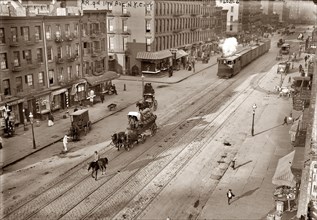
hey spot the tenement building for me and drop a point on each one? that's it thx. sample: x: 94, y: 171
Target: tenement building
x: 167, y: 32
x: 41, y: 62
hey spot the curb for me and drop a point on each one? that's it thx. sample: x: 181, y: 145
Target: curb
x: 155, y: 81
x: 103, y: 117
x: 60, y: 139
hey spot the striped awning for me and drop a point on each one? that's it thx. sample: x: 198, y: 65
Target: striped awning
x: 180, y: 53
x: 283, y: 174
x: 154, y: 55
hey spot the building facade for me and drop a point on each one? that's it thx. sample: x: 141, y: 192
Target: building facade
x: 233, y: 27
x: 182, y: 26
x: 250, y: 15
x: 51, y: 62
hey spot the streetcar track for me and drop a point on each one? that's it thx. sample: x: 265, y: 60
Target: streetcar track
x: 79, y: 167
x: 158, y: 137
x: 191, y: 148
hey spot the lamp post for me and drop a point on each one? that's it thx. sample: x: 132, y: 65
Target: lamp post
x: 31, y: 120
x: 252, y: 130
x: 142, y: 85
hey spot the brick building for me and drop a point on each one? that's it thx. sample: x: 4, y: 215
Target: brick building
x: 41, y: 61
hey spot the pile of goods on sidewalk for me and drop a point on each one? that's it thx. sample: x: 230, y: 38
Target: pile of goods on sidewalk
x: 283, y: 193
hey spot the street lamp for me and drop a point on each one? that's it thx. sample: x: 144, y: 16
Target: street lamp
x: 142, y: 85
x: 252, y: 130
x: 31, y: 120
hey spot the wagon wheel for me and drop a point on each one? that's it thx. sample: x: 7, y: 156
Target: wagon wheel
x: 153, y: 129
x: 155, y: 105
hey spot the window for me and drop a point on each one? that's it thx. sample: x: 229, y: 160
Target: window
x: 77, y: 70
x: 6, y: 87
x: 27, y: 56
x: 148, y: 44
x: 3, y: 61
x: 148, y: 26
x: 41, y: 79
x: 148, y: 9
x: 25, y: 33
x: 68, y: 50
x: 61, y: 74
x: 59, y: 52
x: 230, y: 27
x: 48, y: 32
x: 38, y: 34
x: 2, y: 36
x: 125, y: 40
x: 111, y: 43
x: 49, y: 54
x: 77, y: 49
x: 39, y: 55
x: 124, y: 8
x: 69, y: 72
x: 231, y: 9
x: 51, y: 76
x: 16, y: 58
x: 84, y: 30
x: 110, y: 25
x: 231, y: 18
x: 14, y: 34
x: 18, y: 83
x: 124, y: 25
x: 76, y: 31
x: 29, y: 80
x: 67, y: 30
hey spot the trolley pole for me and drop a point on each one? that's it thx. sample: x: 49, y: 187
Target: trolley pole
x: 142, y: 85
x: 252, y: 129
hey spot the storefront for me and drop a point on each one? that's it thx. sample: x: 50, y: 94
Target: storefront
x: 101, y: 84
x: 154, y: 62
x: 76, y: 94
x: 16, y: 106
x: 58, y: 100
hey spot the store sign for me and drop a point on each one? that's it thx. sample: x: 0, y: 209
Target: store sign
x: 128, y: 4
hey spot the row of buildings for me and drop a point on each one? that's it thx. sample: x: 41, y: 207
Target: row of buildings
x: 53, y: 53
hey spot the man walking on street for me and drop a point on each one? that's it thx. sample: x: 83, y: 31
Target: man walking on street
x: 285, y: 121
x: 233, y: 163
x: 65, y: 141
x: 230, y: 195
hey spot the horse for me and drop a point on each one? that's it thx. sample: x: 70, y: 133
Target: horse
x: 118, y: 139
x: 95, y: 166
x: 131, y: 139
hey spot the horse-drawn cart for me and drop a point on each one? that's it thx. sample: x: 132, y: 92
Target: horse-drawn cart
x: 79, y: 123
x: 141, y: 125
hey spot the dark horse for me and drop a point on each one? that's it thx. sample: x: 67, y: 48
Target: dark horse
x: 95, y: 166
x: 118, y: 139
x: 142, y: 105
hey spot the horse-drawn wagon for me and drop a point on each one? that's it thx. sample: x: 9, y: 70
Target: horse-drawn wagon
x: 149, y: 100
x: 141, y: 125
x: 79, y: 123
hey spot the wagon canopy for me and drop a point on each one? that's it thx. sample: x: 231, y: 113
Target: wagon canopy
x: 96, y: 80
x: 136, y: 114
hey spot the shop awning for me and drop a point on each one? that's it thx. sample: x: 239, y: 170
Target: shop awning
x: 59, y: 91
x: 159, y: 55
x: 180, y: 53
x: 298, y: 162
x: 96, y: 80
x: 283, y: 174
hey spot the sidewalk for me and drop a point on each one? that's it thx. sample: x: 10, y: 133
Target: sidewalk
x: 257, y: 159
x: 20, y: 145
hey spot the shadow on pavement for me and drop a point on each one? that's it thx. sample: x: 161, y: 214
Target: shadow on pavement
x: 268, y: 129
x: 243, y: 164
x: 249, y: 193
